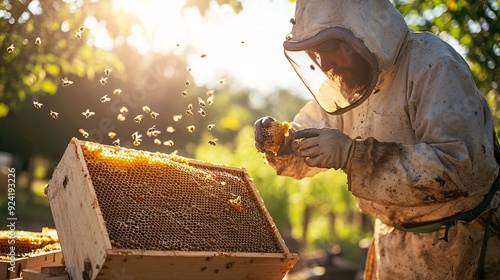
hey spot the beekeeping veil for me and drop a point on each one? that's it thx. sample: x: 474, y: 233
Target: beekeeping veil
x: 374, y: 29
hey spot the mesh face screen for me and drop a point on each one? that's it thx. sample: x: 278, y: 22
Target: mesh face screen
x: 154, y: 201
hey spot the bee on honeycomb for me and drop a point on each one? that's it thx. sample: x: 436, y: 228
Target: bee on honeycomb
x: 274, y: 135
x: 236, y: 203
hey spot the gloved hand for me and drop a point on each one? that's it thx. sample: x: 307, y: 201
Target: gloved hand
x: 323, y: 147
x: 263, y: 123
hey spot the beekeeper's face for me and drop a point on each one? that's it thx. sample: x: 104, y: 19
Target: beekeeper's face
x: 337, y: 59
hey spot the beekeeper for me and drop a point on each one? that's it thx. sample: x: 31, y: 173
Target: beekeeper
x: 398, y: 111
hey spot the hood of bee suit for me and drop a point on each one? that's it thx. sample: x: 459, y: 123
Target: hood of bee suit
x: 372, y: 28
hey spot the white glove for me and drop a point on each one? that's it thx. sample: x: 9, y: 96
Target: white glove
x: 323, y: 147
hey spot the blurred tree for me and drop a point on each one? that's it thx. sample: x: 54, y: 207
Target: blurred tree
x: 44, y: 41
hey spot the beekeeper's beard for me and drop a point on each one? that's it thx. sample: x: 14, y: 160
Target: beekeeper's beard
x: 349, y: 81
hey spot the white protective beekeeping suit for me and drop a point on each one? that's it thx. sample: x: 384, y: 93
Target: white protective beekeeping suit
x: 424, y: 138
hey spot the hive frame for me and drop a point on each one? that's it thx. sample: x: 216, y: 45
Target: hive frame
x: 89, y: 254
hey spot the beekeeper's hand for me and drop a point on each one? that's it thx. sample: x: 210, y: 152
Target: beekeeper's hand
x: 263, y: 123
x: 323, y: 147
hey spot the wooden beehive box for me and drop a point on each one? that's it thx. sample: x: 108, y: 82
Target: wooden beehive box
x: 125, y: 213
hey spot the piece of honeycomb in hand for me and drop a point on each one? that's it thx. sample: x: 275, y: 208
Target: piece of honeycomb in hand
x: 274, y: 135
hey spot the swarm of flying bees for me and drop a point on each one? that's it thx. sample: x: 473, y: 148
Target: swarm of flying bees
x: 122, y: 116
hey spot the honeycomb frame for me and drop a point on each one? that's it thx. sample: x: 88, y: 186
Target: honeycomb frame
x: 121, y: 210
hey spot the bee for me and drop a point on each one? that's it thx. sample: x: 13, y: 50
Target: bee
x: 103, y: 81
x: 105, y: 98
x: 213, y: 142
x: 88, y: 114
x: 210, y: 126
x: 136, y: 136
x: 210, y: 92
x: 37, y: 104
x: 155, y: 133
x: 120, y: 117
x: 190, y: 128
x: 242, y: 42
x: 292, y: 21
x: 123, y: 110
x: 188, y: 69
x: 184, y: 93
x: 312, y: 67
x: 38, y: 41
x: 137, y: 142
x: 54, y: 115
x: 189, y: 113
x: 177, y: 118
x: 78, y: 34
x: 111, y: 135
x: 168, y: 143
x: 203, y: 55
x: 84, y: 133
x: 117, y: 91
x: 190, y: 106
x: 187, y: 83
x: 201, y: 102
x: 116, y: 142
x: 151, y: 129
x: 154, y: 115
x: 210, y: 100
x: 82, y: 28
x: 66, y: 82
x: 170, y: 129
x: 221, y: 81
x: 138, y: 118
x: 157, y: 142
x: 288, y: 37
x: 107, y: 71
x: 202, y: 112
x: 146, y: 109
